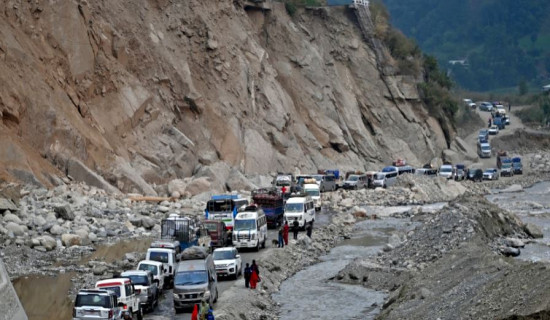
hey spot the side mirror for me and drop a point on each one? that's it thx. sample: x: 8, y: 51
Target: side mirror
x: 238, y: 256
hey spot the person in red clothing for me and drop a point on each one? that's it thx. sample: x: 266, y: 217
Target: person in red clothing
x: 283, y: 190
x: 253, y: 279
x: 195, y: 314
x: 285, y: 233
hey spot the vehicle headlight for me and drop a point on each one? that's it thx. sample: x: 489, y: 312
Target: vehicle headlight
x: 176, y: 296
x: 206, y: 294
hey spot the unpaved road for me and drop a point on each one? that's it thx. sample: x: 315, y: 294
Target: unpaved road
x: 165, y: 309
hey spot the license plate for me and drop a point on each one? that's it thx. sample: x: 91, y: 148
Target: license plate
x: 91, y: 313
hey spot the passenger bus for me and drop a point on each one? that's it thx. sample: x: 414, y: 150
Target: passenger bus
x: 225, y: 208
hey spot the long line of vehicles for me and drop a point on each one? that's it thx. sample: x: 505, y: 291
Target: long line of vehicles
x: 191, y: 253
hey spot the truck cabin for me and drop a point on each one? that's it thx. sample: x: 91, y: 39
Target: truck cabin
x: 224, y: 208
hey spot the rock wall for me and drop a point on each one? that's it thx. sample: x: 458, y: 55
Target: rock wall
x: 138, y: 93
x: 9, y: 302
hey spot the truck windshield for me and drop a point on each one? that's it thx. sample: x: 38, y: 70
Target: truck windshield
x: 211, y: 226
x: 149, y: 267
x: 158, y: 256
x: 379, y: 176
x: 190, y: 278
x: 446, y: 169
x: 281, y: 183
x: 138, y: 280
x: 223, y: 255
x: 485, y: 148
x: 312, y: 192
x: 294, y: 207
x: 92, y: 300
x: 353, y: 178
x: 245, y: 224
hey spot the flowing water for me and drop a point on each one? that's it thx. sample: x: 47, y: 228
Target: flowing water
x: 532, y: 205
x: 310, y: 294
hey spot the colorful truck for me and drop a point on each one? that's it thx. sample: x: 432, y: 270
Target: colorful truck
x: 224, y: 207
x: 272, y: 203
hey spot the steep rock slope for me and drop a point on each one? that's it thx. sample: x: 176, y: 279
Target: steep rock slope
x: 134, y: 93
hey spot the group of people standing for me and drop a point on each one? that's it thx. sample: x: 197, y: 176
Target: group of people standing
x: 283, y: 232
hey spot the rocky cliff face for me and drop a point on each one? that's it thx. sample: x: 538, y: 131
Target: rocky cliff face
x: 133, y: 94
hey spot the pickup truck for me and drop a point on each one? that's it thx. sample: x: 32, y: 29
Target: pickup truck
x: 506, y: 167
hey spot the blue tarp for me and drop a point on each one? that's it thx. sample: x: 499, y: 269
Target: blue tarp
x: 225, y: 197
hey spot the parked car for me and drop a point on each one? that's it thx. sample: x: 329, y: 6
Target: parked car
x: 490, y: 174
x: 146, y: 289
x: 355, y: 181
x: 506, y: 120
x: 460, y: 172
x: 125, y: 293
x: 228, y: 262
x: 93, y: 304
x: 484, y: 150
x: 486, y: 106
x: 506, y: 167
x: 426, y: 172
x: 493, y: 130
x: 157, y: 270
x: 483, y: 135
x: 475, y: 175
x: 470, y: 103
x: 446, y: 171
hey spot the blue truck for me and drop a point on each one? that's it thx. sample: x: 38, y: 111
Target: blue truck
x: 517, y: 166
x: 499, y: 122
x: 272, y: 203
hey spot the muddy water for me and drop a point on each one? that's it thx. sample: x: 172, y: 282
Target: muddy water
x: 46, y: 298
x: 532, y: 205
x: 310, y: 294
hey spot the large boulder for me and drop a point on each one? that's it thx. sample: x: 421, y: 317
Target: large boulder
x: 533, y: 230
x: 237, y: 182
x: 64, y: 212
x: 69, y: 240
x: 198, y: 186
x: 56, y: 230
x: 48, y: 242
x: 16, y: 229
x: 147, y: 222
x: 10, y: 217
x: 177, y: 185
x: 6, y: 204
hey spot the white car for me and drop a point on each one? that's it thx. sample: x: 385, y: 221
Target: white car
x: 125, y: 292
x: 228, y: 262
x: 446, y: 171
x: 490, y: 174
x: 493, y: 130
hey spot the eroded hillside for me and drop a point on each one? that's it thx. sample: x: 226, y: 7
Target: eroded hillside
x: 143, y: 92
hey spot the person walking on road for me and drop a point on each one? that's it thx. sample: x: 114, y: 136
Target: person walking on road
x: 255, y: 276
x: 295, y: 226
x: 490, y: 122
x: 309, y: 228
x: 195, y: 314
x: 247, y: 274
x: 281, y: 238
x: 285, y: 232
x: 210, y: 315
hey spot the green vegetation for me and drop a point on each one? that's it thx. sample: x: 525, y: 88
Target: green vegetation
x: 538, y: 113
x: 502, y: 41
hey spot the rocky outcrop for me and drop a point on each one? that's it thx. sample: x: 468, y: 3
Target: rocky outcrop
x: 132, y: 95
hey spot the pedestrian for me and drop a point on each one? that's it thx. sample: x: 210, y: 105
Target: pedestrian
x: 281, y: 238
x: 210, y: 315
x: 247, y: 274
x: 254, y: 278
x: 309, y: 229
x: 295, y: 226
x: 203, y: 309
x: 283, y: 190
x: 285, y: 232
x: 254, y: 267
x: 490, y: 120
x: 195, y: 314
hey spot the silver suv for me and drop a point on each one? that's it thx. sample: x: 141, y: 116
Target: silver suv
x: 96, y: 304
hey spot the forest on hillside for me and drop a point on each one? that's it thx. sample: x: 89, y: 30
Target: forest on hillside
x: 502, y: 42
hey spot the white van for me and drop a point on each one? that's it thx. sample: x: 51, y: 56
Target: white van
x: 386, y: 178
x: 301, y: 208
x: 168, y: 259
x: 250, y: 229
x: 314, y: 192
